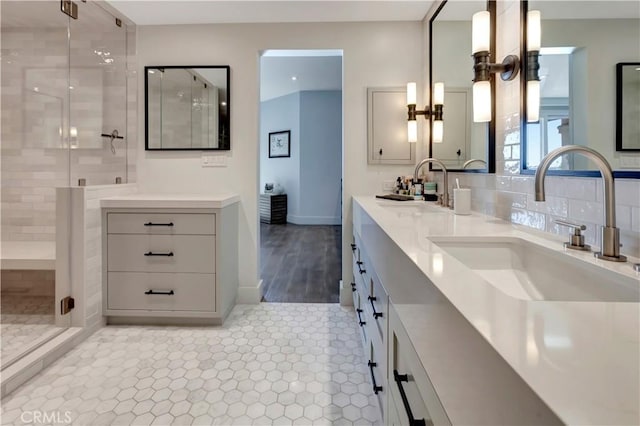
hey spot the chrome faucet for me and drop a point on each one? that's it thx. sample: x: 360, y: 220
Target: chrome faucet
x: 610, y: 234
x: 473, y: 160
x: 445, y: 178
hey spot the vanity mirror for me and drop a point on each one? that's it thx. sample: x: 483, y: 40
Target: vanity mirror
x: 628, y: 106
x: 580, y: 50
x: 187, y: 108
x: 449, y: 62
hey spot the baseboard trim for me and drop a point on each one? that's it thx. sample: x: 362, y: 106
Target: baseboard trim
x: 314, y: 220
x: 250, y: 295
x: 346, y: 298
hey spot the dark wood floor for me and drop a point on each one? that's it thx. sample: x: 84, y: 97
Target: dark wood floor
x: 301, y: 263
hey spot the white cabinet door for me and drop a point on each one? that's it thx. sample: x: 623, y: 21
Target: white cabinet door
x: 387, y: 127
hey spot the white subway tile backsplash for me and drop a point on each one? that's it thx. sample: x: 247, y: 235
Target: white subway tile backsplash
x: 522, y: 184
x: 587, y: 211
x: 635, y: 219
x: 627, y: 192
x: 556, y: 206
x: 573, y: 187
x: 531, y: 219
x: 503, y: 183
x: 623, y: 216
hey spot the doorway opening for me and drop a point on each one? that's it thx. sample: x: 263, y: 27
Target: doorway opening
x: 301, y: 167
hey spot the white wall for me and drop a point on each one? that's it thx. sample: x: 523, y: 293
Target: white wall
x: 312, y: 175
x: 374, y: 54
x: 321, y: 157
x: 276, y: 115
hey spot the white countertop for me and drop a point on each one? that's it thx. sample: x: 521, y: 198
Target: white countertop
x: 581, y: 358
x: 168, y: 201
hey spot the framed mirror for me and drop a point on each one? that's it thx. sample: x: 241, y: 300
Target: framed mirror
x: 450, y: 62
x: 578, y: 57
x: 628, y: 106
x: 187, y: 108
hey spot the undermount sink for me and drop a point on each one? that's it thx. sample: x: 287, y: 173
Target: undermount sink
x: 525, y: 270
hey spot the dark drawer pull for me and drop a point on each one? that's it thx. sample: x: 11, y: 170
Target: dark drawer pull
x: 353, y: 286
x: 359, y: 263
x: 150, y: 253
x: 353, y: 247
x: 399, y: 378
x: 376, y: 388
x: 359, y: 311
x: 163, y: 293
x: 376, y: 315
x: 158, y: 224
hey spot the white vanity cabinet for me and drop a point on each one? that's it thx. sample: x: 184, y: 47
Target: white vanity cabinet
x: 433, y: 365
x: 173, y: 264
x: 371, y: 304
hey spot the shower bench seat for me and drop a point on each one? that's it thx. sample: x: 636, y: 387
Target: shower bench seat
x: 28, y: 255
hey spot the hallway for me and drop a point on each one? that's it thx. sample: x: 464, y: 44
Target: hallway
x: 301, y: 263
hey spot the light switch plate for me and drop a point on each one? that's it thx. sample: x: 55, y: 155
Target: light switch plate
x: 214, y: 161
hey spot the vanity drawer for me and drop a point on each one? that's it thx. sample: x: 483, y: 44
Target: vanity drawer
x: 161, y: 291
x: 161, y: 223
x: 409, y: 385
x: 354, y: 290
x: 377, y: 367
x: 161, y: 253
x: 361, y: 273
x: 360, y: 318
x: 378, y: 306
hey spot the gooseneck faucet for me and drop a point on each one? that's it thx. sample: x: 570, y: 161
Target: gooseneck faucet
x: 610, y: 234
x: 445, y: 178
x: 473, y: 160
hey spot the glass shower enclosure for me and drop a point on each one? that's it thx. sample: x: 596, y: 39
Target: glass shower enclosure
x: 64, y: 124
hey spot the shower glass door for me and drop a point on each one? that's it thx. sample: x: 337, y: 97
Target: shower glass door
x: 98, y: 114
x: 35, y: 162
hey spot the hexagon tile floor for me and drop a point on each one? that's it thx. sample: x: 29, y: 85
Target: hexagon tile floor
x: 272, y: 363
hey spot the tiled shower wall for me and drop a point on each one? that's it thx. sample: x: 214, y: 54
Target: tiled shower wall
x: 35, y: 161
x: 510, y: 196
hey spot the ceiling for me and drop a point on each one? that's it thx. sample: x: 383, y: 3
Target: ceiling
x: 170, y: 12
x: 316, y: 70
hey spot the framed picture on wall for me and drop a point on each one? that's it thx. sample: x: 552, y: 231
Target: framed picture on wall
x: 279, y: 144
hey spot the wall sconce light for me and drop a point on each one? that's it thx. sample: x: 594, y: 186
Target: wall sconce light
x: 436, y: 114
x: 482, y: 68
x: 73, y: 137
x: 534, y: 42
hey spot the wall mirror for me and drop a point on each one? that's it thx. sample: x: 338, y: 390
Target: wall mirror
x: 578, y: 57
x: 187, y: 108
x: 450, y: 62
x: 628, y: 106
